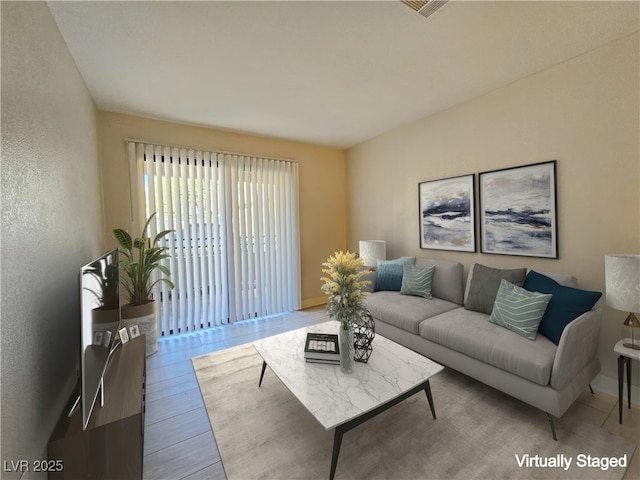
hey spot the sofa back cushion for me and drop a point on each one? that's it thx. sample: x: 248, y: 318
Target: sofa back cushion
x: 561, y: 278
x: 448, y: 279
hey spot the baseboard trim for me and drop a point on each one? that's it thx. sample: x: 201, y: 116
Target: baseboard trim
x: 314, y: 302
x: 609, y: 386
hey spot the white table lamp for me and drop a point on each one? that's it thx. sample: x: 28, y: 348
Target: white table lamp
x: 622, y: 273
x: 371, y: 251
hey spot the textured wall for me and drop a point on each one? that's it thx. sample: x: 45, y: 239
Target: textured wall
x: 51, y: 223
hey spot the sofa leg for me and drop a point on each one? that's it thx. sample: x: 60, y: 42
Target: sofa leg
x: 553, y: 429
x: 591, y: 388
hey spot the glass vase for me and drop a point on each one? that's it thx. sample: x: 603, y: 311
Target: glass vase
x: 347, y: 349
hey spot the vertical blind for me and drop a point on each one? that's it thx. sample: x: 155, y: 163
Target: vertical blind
x: 235, y: 246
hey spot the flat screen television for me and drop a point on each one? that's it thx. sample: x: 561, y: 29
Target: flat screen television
x: 100, y: 320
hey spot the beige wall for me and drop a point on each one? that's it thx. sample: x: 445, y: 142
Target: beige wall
x: 584, y: 113
x: 51, y: 225
x: 322, y: 183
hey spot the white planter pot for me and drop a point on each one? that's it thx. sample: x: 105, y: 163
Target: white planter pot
x: 145, y: 317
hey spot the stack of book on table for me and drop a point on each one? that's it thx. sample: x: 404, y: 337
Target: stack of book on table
x: 322, y: 348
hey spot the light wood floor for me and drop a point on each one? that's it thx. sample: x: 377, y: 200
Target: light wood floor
x: 179, y: 443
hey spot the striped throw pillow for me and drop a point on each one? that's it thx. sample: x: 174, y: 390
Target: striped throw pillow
x: 416, y: 280
x: 518, y: 309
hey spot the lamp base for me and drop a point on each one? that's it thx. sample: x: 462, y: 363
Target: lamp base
x: 631, y: 327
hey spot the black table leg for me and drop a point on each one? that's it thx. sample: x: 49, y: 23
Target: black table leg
x: 264, y: 367
x: 337, y: 443
x: 345, y: 427
x: 628, y: 362
x: 622, y: 363
x: 620, y: 386
x: 430, y: 398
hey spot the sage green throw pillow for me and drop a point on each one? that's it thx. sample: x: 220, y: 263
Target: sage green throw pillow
x: 484, y: 283
x: 518, y: 309
x: 416, y: 280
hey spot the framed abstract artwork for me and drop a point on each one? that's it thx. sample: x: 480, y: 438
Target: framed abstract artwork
x: 518, y: 211
x: 447, y: 214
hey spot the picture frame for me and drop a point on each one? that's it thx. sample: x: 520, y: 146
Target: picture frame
x: 107, y: 338
x: 124, y: 335
x: 447, y: 213
x: 134, y: 331
x: 518, y: 210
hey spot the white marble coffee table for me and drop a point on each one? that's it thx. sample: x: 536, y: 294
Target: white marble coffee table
x: 340, y: 400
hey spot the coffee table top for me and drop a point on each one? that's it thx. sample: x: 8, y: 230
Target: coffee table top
x: 334, y: 397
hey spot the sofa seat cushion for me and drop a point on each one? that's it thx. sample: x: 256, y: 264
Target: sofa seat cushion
x: 471, y: 333
x: 404, y: 311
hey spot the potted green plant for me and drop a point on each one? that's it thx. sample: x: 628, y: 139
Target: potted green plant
x: 142, y: 257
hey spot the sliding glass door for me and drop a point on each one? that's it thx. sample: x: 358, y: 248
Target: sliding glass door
x: 236, y: 244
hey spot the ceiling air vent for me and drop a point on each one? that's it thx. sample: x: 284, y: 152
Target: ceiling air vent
x: 425, y: 8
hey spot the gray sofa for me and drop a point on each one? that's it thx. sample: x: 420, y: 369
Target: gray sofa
x: 547, y: 376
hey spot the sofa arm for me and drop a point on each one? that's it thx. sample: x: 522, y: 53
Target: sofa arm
x: 370, y: 276
x: 577, y: 348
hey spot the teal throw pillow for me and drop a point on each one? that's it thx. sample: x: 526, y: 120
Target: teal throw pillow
x: 389, y: 274
x: 518, y: 309
x: 566, y: 305
x: 416, y: 280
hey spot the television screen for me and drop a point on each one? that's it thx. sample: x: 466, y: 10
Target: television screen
x: 100, y: 318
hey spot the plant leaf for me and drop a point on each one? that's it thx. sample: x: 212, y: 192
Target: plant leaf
x: 161, y: 235
x: 123, y: 238
x: 146, y: 225
x: 140, y: 242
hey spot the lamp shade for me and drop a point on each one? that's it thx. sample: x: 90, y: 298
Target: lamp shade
x: 622, y: 273
x: 371, y: 251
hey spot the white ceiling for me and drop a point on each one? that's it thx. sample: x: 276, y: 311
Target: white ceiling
x: 328, y: 73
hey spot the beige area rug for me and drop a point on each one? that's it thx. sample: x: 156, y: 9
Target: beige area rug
x: 266, y: 433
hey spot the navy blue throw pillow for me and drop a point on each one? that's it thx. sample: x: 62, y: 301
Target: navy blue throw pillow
x: 566, y: 304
